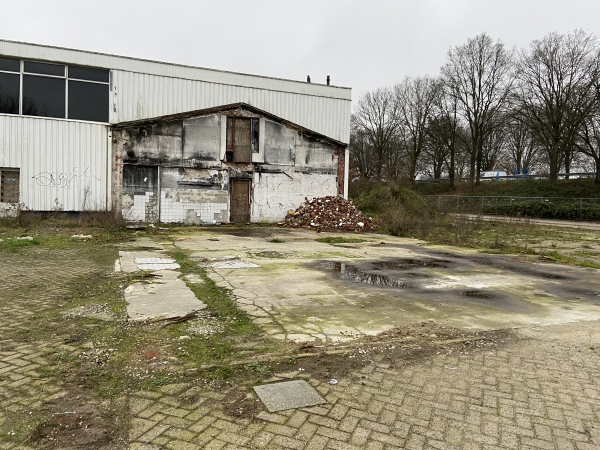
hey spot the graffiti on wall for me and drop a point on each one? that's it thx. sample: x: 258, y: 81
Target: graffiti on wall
x: 64, y: 180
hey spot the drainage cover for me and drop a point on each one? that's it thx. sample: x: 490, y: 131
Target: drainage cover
x: 288, y: 395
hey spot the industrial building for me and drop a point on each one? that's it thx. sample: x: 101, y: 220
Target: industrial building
x: 154, y: 141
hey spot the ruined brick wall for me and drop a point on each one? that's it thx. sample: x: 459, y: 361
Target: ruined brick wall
x: 341, y: 154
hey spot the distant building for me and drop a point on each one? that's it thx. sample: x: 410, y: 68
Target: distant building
x: 154, y: 141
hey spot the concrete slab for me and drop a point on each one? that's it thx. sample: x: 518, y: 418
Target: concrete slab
x: 327, y: 292
x: 288, y: 395
x: 166, y: 298
x: 233, y: 264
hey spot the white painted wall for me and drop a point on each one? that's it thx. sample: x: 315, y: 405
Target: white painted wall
x: 274, y: 194
x: 64, y: 165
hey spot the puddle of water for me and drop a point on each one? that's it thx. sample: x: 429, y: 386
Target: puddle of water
x: 359, y: 276
x: 409, y: 263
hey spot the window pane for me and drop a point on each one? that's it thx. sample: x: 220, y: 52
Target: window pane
x: 9, y: 93
x: 43, y: 96
x: 86, y: 73
x: 45, y: 69
x: 9, y: 64
x: 88, y: 101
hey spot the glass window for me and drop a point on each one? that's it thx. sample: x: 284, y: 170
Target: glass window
x: 10, y: 65
x: 44, y: 68
x: 87, y: 73
x: 43, y: 96
x: 88, y: 101
x: 9, y: 93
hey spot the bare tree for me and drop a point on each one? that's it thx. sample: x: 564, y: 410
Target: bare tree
x: 588, y: 141
x: 556, y: 91
x: 478, y: 76
x: 362, y: 158
x: 445, y: 132
x: 376, y: 118
x: 522, y: 149
x: 416, y: 100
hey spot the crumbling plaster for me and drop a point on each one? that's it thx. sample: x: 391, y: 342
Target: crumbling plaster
x: 193, y: 178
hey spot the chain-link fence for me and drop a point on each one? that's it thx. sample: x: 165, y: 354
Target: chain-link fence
x: 542, y: 207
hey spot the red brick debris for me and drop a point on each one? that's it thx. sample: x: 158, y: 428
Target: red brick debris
x: 328, y: 214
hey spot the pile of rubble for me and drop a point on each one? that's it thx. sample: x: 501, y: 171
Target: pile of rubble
x: 328, y: 214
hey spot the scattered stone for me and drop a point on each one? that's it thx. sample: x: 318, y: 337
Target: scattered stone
x: 184, y: 338
x: 191, y: 371
x: 151, y: 354
x: 99, y: 312
x: 329, y: 214
x: 82, y: 237
x: 333, y: 381
x: 25, y: 238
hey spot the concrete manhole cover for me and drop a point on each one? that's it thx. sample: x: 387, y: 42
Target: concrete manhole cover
x: 288, y: 395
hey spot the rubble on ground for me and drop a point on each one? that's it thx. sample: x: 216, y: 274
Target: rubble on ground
x: 328, y: 214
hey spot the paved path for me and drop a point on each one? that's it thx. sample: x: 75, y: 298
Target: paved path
x: 540, y: 391
x: 583, y: 225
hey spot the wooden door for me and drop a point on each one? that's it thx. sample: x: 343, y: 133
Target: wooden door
x: 240, y: 201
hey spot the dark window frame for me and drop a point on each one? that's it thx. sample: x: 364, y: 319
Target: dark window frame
x: 82, y: 74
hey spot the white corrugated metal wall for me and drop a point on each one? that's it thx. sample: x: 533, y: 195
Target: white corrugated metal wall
x: 148, y: 89
x: 63, y: 164
x: 140, y: 96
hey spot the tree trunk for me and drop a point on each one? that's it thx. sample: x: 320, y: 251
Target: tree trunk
x: 452, y: 169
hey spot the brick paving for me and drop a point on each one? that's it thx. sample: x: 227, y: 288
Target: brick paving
x: 529, y: 394
x: 534, y: 392
x: 31, y: 283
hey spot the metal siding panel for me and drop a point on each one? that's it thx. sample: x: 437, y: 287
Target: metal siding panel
x: 59, y: 160
x: 143, y: 96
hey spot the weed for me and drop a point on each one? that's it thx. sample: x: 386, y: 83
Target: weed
x: 261, y: 369
x: 277, y: 241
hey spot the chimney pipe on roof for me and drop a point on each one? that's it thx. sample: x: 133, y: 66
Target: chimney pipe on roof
x: 308, y: 78
x: 328, y: 79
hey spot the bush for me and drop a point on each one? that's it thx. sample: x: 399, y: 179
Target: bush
x: 400, y: 211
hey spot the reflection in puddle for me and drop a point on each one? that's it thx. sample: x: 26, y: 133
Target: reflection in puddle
x: 360, y: 276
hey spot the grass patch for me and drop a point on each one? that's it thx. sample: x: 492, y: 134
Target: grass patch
x: 277, y: 241
x: 566, y: 259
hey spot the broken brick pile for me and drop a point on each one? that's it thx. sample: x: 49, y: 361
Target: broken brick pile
x: 328, y: 214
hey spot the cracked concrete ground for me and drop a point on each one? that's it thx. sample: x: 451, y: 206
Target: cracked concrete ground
x: 304, y: 290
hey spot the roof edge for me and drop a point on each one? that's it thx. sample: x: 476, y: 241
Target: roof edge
x: 153, y: 61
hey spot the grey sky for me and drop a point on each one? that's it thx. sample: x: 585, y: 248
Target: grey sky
x: 361, y: 44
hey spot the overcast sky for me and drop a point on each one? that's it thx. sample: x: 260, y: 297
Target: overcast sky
x: 363, y: 44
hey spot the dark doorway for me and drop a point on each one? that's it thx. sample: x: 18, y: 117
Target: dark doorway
x: 240, y: 201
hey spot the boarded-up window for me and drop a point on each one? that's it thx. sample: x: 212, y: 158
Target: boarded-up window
x: 9, y: 185
x: 242, y: 139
